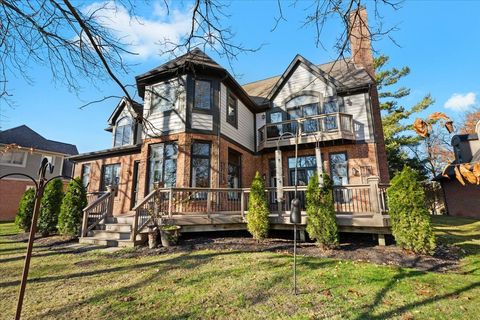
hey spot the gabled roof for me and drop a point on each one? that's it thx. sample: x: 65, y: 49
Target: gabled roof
x: 347, y: 77
x: 27, y: 138
x: 136, y: 107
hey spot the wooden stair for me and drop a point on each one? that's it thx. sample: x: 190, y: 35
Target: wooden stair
x: 114, y: 232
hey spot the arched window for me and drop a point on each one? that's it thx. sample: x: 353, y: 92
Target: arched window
x: 123, y: 132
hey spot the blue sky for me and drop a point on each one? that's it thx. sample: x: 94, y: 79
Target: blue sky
x: 438, y: 40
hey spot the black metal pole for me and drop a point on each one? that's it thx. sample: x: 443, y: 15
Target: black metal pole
x: 31, y: 239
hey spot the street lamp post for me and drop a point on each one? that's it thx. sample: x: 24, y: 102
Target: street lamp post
x: 39, y: 190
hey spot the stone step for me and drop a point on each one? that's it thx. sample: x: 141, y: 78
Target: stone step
x: 110, y: 235
x: 118, y: 227
x: 107, y: 242
x: 123, y: 219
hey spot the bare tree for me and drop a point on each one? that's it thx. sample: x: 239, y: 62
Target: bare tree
x: 74, y: 44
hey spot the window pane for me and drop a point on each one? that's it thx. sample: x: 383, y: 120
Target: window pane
x: 163, y: 97
x: 171, y: 150
x: 170, y: 177
x: 200, y: 173
x: 303, y: 162
x: 17, y: 157
x: 6, y: 157
x: 202, y: 94
x: 85, y: 174
x: 201, y: 149
x: 127, y: 132
x: 339, y: 168
x: 231, y: 109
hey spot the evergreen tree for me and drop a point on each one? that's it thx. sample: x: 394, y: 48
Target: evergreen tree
x: 25, y: 210
x: 257, y: 216
x: 71, y: 211
x: 395, y: 118
x: 50, y: 207
x: 409, y: 214
x: 321, y: 220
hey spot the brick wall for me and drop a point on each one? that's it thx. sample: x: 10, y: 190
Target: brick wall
x: 462, y: 201
x: 11, y: 192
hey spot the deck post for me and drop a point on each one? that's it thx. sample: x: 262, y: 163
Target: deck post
x: 374, y: 198
x: 112, y: 190
x: 209, y: 202
x: 242, y: 204
x: 85, y: 223
x: 170, y: 196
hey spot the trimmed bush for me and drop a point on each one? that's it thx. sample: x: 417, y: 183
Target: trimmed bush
x: 257, y: 216
x: 321, y: 220
x: 25, y: 210
x: 71, y: 210
x: 50, y: 207
x: 409, y: 214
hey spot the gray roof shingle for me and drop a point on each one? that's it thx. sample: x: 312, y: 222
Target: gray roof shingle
x: 26, y: 137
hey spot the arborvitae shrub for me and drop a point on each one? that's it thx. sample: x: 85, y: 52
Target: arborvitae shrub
x: 71, y: 210
x: 321, y: 220
x: 257, y: 216
x: 50, y: 207
x: 409, y: 214
x: 25, y: 210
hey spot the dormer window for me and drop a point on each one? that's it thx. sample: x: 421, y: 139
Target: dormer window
x: 123, y: 132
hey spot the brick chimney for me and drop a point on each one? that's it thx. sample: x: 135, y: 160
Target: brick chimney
x: 360, y: 40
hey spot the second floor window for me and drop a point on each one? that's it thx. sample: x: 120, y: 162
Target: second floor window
x: 13, y: 158
x: 232, y: 110
x: 200, y: 164
x: 163, y: 97
x: 110, y: 176
x: 203, y: 95
x: 123, y: 132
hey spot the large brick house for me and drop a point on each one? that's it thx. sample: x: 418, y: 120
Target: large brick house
x: 25, y: 158
x: 201, y: 129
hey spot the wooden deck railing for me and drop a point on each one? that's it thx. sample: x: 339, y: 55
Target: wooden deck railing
x: 167, y: 203
x: 98, y: 210
x: 327, y: 123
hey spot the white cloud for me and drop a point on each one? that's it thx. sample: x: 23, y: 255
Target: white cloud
x: 461, y: 102
x: 142, y: 35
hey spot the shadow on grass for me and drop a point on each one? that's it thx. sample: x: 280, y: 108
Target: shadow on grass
x: 185, y: 261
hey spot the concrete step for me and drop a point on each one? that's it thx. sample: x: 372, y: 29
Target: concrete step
x: 118, y: 227
x: 123, y: 219
x: 107, y: 242
x: 111, y: 235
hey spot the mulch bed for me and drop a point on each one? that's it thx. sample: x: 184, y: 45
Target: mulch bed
x: 444, y: 259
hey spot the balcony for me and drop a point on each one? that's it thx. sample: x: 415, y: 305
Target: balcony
x: 324, y: 127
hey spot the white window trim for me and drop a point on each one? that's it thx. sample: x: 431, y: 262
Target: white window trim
x: 23, y: 165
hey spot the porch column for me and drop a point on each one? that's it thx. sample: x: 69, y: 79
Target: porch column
x: 374, y: 198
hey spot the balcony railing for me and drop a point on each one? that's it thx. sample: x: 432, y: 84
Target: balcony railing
x: 330, y: 126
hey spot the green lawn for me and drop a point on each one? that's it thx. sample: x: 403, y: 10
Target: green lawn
x: 236, y: 285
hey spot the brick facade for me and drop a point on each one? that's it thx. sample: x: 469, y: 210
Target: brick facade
x: 456, y: 197
x: 11, y: 192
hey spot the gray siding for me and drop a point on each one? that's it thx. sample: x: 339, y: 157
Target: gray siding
x: 245, y: 133
x: 173, y: 121
x: 33, y: 164
x: 356, y: 106
x: 201, y: 121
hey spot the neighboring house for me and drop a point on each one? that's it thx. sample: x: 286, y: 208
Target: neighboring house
x: 462, y: 200
x: 202, y: 129
x: 26, y: 158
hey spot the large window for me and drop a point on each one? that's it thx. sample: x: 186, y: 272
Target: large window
x: 110, y: 176
x: 234, y: 173
x: 86, y: 174
x: 123, y: 132
x: 203, y: 95
x: 304, y: 111
x: 13, y: 158
x: 232, y: 110
x: 331, y: 105
x: 306, y: 168
x: 200, y: 164
x: 163, y: 165
x: 163, y: 97
x: 339, y: 168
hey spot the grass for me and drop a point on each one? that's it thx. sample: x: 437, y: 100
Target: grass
x: 235, y: 285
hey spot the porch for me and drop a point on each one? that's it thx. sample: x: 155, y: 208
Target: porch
x: 360, y: 208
